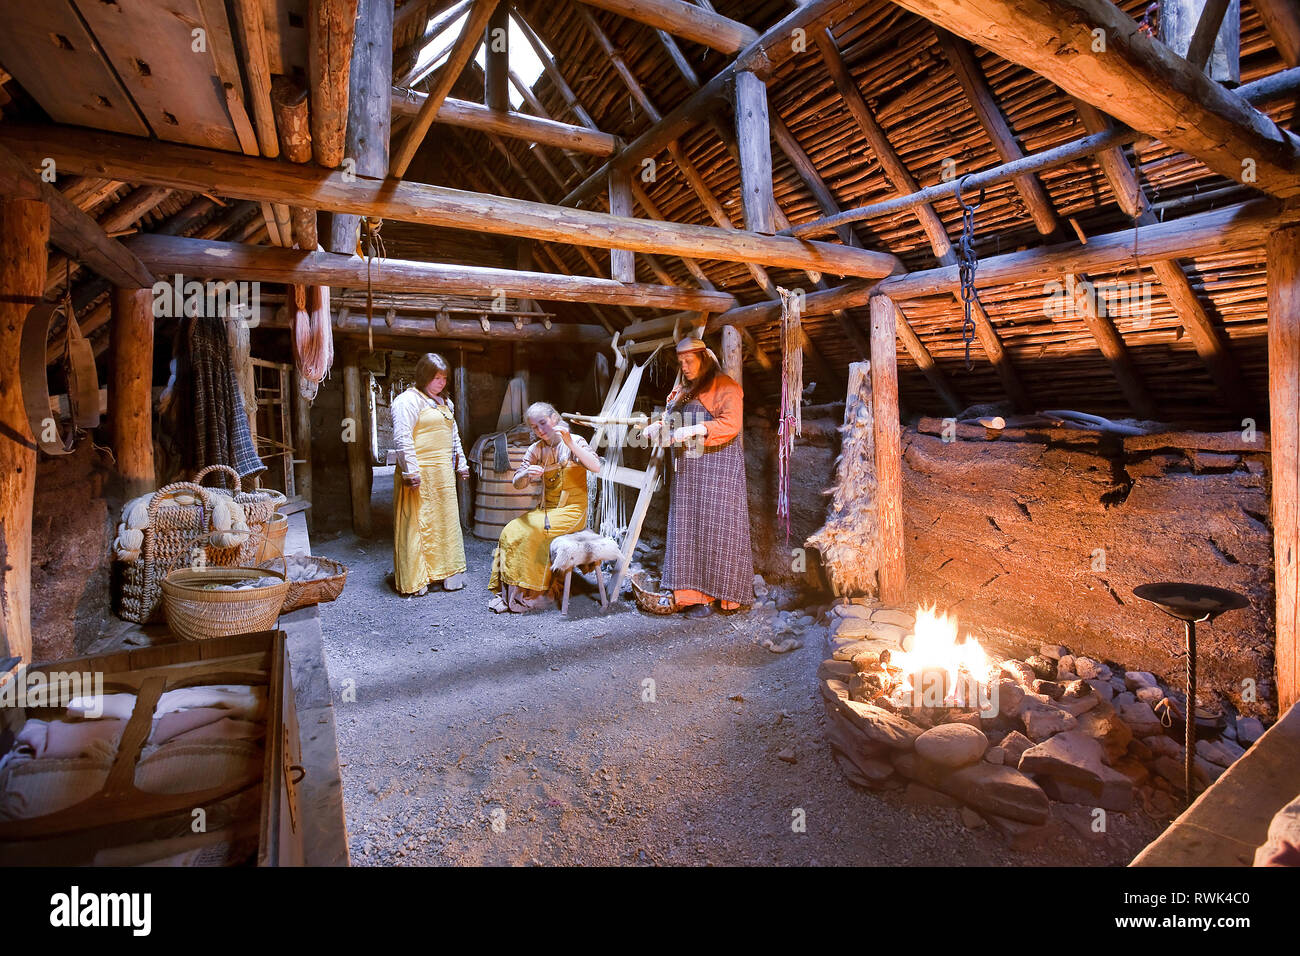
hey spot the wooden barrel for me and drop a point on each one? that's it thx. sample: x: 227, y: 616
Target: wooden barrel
x: 497, y: 501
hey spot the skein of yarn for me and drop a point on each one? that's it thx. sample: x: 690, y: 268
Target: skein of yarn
x: 313, y: 337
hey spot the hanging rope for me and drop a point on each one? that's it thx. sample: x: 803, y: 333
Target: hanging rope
x: 966, y: 265
x: 791, y: 420
x: 370, y: 245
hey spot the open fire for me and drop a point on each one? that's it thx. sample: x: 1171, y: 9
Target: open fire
x: 939, y: 670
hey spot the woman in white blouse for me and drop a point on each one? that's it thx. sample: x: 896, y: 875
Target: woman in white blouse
x: 427, y: 544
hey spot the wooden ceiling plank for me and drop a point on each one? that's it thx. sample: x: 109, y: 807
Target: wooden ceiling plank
x: 43, y: 45
x: 152, y: 47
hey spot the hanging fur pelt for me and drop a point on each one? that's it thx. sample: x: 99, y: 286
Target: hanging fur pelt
x: 847, y: 541
x: 791, y: 420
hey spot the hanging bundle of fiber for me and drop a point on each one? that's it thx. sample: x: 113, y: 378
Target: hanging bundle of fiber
x: 313, y: 338
x: 791, y: 419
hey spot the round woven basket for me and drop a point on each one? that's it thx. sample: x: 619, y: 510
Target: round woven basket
x: 196, y: 614
x: 316, y: 591
x: 645, y: 589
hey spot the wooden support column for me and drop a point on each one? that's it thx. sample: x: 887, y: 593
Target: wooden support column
x: 24, y: 234
x: 733, y: 359
x: 622, y: 262
x: 1284, y: 434
x: 302, y: 444
x: 754, y: 138
x: 370, y: 102
x: 355, y: 424
x: 130, y: 393
x: 889, y: 460
x: 496, y: 78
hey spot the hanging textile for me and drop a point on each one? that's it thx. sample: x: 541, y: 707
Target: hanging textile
x: 791, y: 417
x: 220, y: 433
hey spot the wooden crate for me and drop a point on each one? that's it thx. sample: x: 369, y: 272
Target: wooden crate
x: 119, y: 816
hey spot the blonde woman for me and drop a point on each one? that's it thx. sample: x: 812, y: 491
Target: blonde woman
x: 557, y: 465
x: 427, y: 544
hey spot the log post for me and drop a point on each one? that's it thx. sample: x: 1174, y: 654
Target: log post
x: 732, y: 353
x: 496, y: 78
x: 889, y: 461
x: 24, y: 234
x: 370, y: 101
x: 331, y: 27
x: 622, y: 262
x: 754, y: 141
x: 293, y: 123
x: 130, y: 392
x: 302, y: 443
x: 1283, y: 257
x: 355, y: 422
x: 241, y: 362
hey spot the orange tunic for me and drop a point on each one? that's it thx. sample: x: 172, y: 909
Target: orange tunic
x: 725, y: 401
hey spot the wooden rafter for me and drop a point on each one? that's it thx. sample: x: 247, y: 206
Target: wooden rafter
x: 1089, y: 307
x: 1210, y: 343
x: 471, y: 35
x: 1135, y: 78
x: 902, y: 180
x: 534, y: 129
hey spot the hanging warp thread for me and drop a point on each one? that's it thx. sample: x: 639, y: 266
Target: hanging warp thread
x: 791, y: 421
x: 966, y: 264
x: 370, y: 246
x: 608, y: 509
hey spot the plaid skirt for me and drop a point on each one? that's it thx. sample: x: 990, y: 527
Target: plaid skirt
x: 708, y: 546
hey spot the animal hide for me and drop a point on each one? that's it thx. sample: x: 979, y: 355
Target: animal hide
x: 582, y: 548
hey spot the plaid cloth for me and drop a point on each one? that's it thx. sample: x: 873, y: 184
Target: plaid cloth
x: 221, y: 435
x: 708, y: 546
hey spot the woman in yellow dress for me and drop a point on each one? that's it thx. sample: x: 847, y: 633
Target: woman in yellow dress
x: 427, y: 544
x: 559, y: 461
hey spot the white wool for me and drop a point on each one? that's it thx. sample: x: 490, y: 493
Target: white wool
x: 582, y: 548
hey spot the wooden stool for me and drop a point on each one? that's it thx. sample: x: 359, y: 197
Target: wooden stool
x: 583, y: 550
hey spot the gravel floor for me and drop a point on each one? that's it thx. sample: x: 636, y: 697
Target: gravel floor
x: 608, y: 738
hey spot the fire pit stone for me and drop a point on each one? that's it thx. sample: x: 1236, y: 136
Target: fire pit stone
x: 1053, y: 652
x: 952, y: 745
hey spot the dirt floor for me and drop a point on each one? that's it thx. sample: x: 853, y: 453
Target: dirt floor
x: 608, y: 738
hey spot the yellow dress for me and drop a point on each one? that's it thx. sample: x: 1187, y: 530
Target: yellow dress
x: 427, y: 544
x: 523, y: 555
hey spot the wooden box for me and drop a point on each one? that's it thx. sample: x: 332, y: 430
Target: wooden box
x: 121, y: 824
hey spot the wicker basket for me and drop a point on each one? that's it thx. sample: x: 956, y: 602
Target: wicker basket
x: 180, y: 516
x: 195, y: 614
x: 317, y: 591
x: 645, y: 589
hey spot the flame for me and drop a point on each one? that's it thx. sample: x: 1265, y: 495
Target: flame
x: 935, y: 649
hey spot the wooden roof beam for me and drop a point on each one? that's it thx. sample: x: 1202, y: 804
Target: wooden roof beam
x: 684, y: 20
x: 71, y: 229
x: 230, y: 260
x: 1132, y: 77
x: 471, y: 35
x: 244, y: 177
